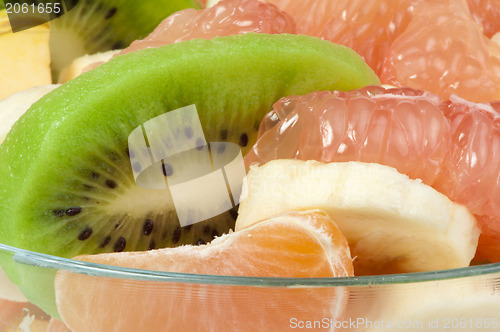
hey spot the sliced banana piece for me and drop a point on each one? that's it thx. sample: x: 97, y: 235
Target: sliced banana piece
x: 12, y: 107
x: 393, y: 224
x: 80, y: 65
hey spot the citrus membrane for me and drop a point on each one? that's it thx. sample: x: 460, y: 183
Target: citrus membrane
x: 451, y: 145
x: 293, y: 244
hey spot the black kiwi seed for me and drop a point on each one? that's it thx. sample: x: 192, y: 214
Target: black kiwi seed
x: 94, y: 175
x: 105, y: 241
x: 148, y: 227
x: 110, y: 13
x: 167, y: 170
x: 223, y: 134
x: 85, y: 234
x: 120, y: 244
x: 243, y: 140
x: 152, y: 245
x: 73, y: 211
x: 111, y: 184
x: 176, y: 235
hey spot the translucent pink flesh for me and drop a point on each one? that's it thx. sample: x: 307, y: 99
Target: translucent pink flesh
x: 228, y: 17
x: 453, y: 146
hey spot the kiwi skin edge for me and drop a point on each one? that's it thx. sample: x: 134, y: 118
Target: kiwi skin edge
x: 232, y: 80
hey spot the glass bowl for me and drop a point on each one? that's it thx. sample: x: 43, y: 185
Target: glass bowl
x: 109, y: 298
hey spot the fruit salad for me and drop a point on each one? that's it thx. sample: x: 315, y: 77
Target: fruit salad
x: 355, y: 143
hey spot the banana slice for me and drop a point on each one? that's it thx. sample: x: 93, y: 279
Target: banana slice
x: 80, y: 65
x: 14, y: 106
x: 393, y: 224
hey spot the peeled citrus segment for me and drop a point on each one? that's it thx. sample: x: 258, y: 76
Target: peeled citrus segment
x: 429, y: 55
x: 368, y: 27
x: 402, y: 128
x: 486, y: 12
x: 294, y: 244
x: 413, y: 43
x: 450, y: 145
x: 227, y: 17
x: 393, y: 224
x: 55, y: 325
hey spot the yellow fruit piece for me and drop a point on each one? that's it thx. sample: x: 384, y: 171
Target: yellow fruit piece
x: 393, y: 224
x: 24, y: 57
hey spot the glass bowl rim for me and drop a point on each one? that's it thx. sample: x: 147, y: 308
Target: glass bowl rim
x: 31, y: 258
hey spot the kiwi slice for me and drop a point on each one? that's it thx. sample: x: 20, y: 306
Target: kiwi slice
x: 68, y: 185
x: 93, y: 26
x: 67, y: 180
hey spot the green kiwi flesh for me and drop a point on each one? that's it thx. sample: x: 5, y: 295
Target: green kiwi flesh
x: 67, y: 182
x: 95, y: 26
x: 65, y: 167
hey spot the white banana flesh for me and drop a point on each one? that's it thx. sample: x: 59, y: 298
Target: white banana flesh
x: 393, y: 224
x: 14, y: 106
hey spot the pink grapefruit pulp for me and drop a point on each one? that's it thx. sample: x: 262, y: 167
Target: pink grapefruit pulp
x: 453, y: 146
x: 433, y: 45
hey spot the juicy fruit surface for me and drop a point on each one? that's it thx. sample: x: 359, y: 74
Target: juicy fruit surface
x: 487, y: 13
x: 368, y: 27
x: 50, y: 173
x: 393, y: 224
x: 412, y: 42
x: 227, y: 17
x: 294, y: 244
x: 452, y: 146
x: 432, y: 58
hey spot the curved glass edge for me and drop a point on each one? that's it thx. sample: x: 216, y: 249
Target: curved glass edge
x: 26, y: 257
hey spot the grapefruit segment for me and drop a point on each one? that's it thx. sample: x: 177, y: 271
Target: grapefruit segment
x: 450, y: 145
x: 487, y: 13
x: 427, y: 56
x: 294, y: 244
x: 372, y: 124
x: 227, y: 17
x: 393, y: 224
x: 439, y: 46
